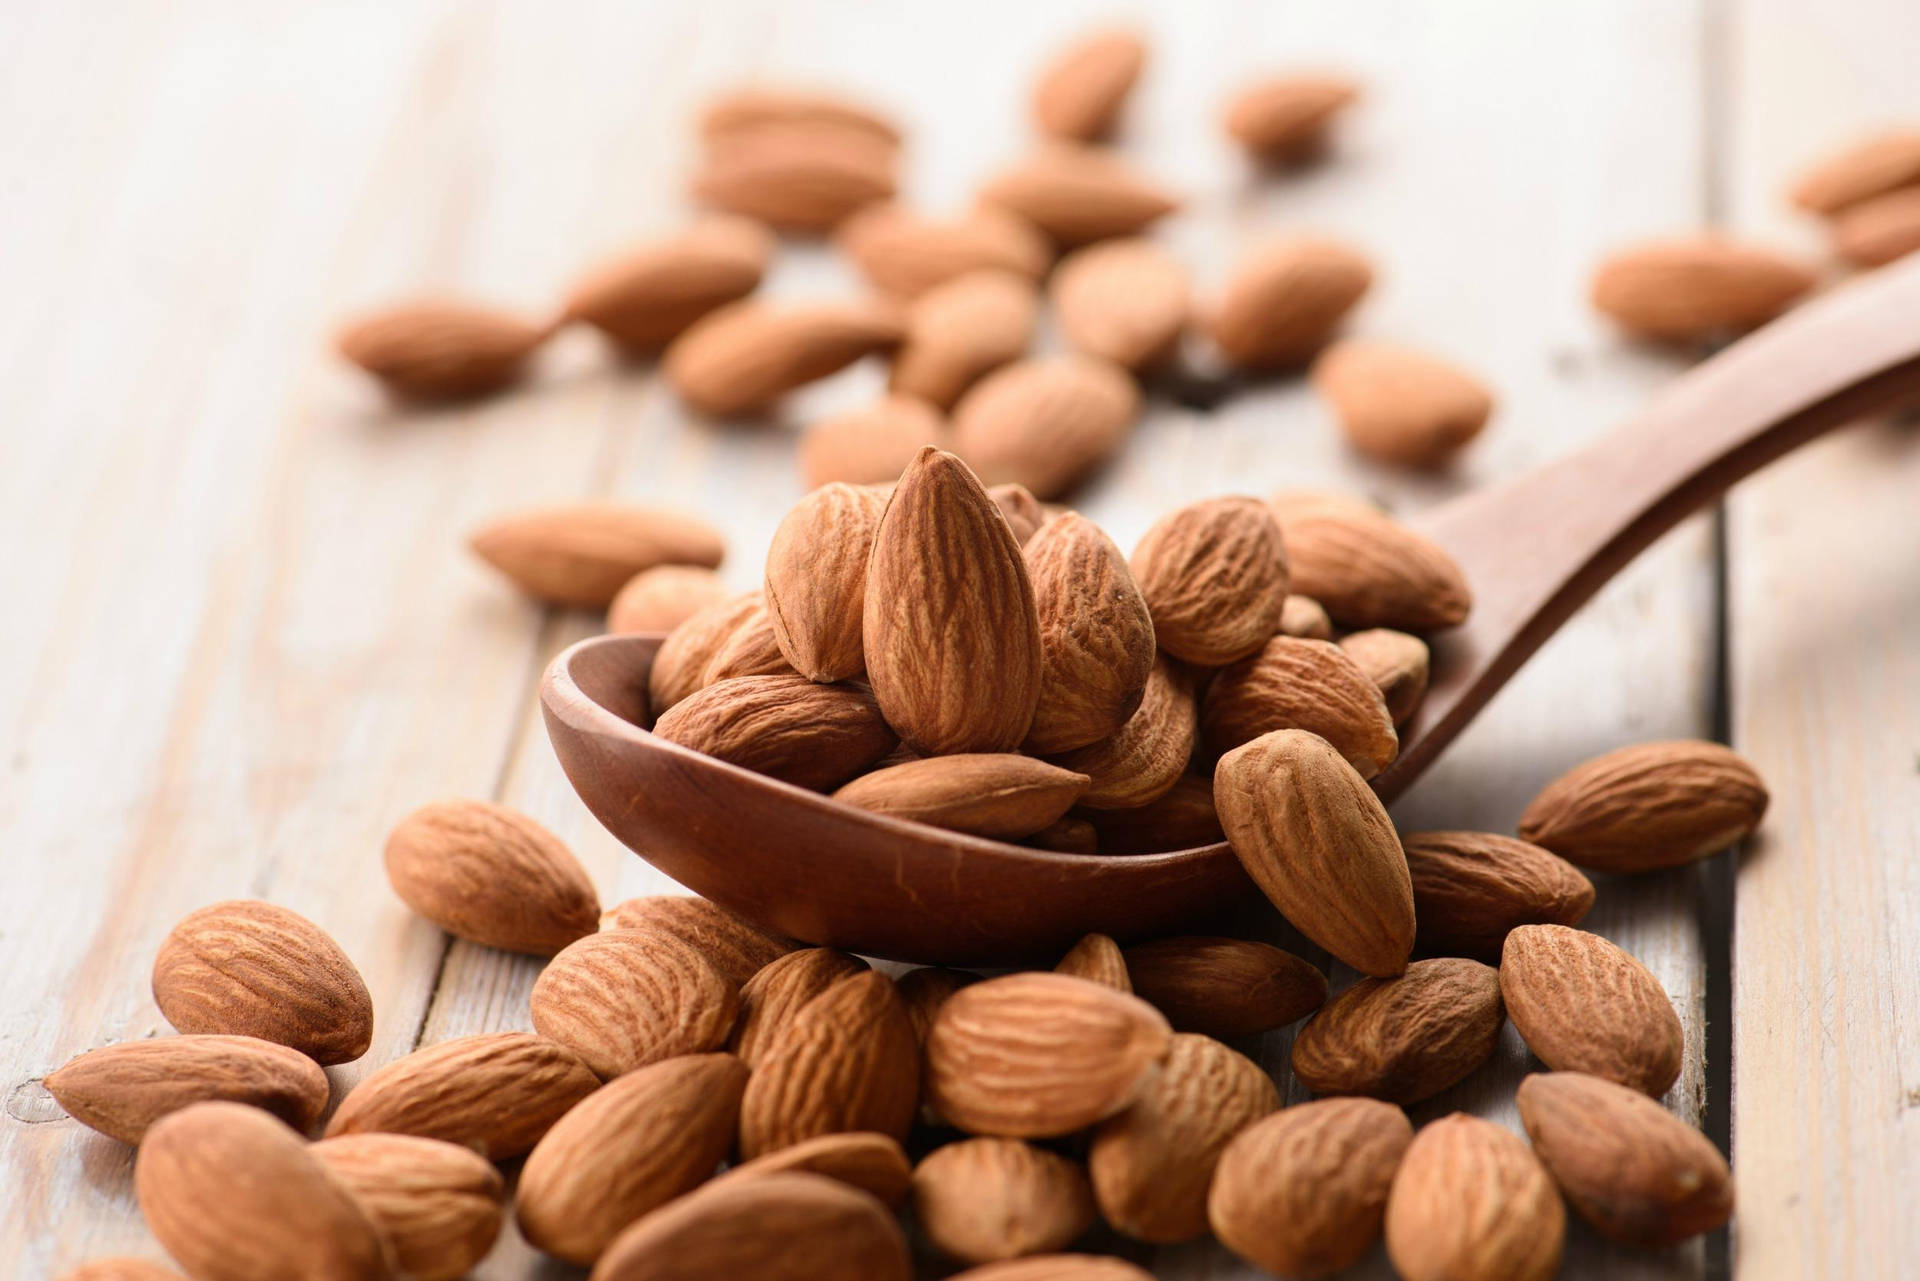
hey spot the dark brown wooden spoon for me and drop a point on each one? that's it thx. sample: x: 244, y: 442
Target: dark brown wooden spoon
x: 1534, y: 550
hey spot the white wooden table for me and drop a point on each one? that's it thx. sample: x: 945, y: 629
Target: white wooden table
x: 241, y: 636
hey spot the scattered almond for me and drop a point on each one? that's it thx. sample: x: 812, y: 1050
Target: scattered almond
x: 1685, y: 290
x: 1583, y: 1005
x: 1122, y: 300
x: 438, y: 1205
x: 1045, y: 422
x: 1001, y: 795
x: 1397, y: 663
x: 121, y: 1090
x: 662, y: 598
x: 906, y: 254
x: 772, y: 997
x: 1301, y: 684
x: 646, y: 297
x: 1183, y: 818
x: 622, y: 999
x: 1399, y: 405
x: 1403, y: 1039
x: 747, y: 355
x: 785, y: 727
x: 582, y: 554
x: 1214, y: 575
x: 1284, y: 119
x: 1096, y: 635
x: 1145, y: 759
x: 871, y: 445
x: 1370, y: 571
x: 817, y: 580
x: 796, y: 176
x: 441, y: 349
x: 1284, y: 301
x: 982, y: 1200
x: 1471, y: 888
x: 754, y: 106
x: 1082, y: 89
x: 680, y: 664
x: 1870, y: 167
x: 1877, y: 231
x: 1647, y: 807
x: 1306, y: 618
x: 1222, y: 987
x: 961, y: 330
x: 1097, y: 959
x: 1471, y: 1203
x: 1078, y: 194
x: 735, y: 948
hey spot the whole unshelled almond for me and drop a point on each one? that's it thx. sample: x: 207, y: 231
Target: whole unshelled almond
x: 1145, y: 759
x: 1034, y: 1055
x: 1045, y: 422
x: 490, y: 874
x: 747, y: 355
x: 1370, y: 571
x: 662, y: 598
x: 622, y: 999
x: 1305, y: 617
x: 962, y: 330
x: 796, y: 176
x: 1078, y: 194
x: 1583, y: 1005
x: 817, y: 580
x: 439, y: 1205
x: 785, y: 727
x: 1647, y: 807
x: 1471, y: 888
x: 753, y: 106
x: 496, y: 1094
x: 1284, y: 119
x: 1183, y: 818
x: 1877, y: 231
x: 582, y: 554
x: 1025, y: 514
x: 441, y: 349
x: 906, y: 254
x: 1125, y: 301
x: 738, y: 950
x: 923, y: 992
x: 1069, y: 834
x: 1096, y: 635
x: 870, y: 445
x: 234, y: 1195
x: 1222, y: 987
x: 1870, y: 167
x: 1635, y: 1171
x: 771, y: 998
x: 1301, y: 684
x: 952, y: 635
x: 982, y: 1200
x: 749, y: 649
x: 1002, y: 795
x: 1318, y: 843
x: 1400, y: 405
x: 120, y: 1268
x: 1098, y: 959
x: 647, y: 296
x: 873, y: 1163
x: 1151, y: 1165
x: 680, y: 664
x: 1302, y: 1193
x: 1056, y: 1267
x: 1214, y: 575
x: 1471, y: 1203
x: 1081, y: 90
x: 631, y: 1146
x: 121, y: 1090
x: 247, y: 968
x: 1396, y: 662
x: 1684, y: 290
x: 1285, y: 299
x: 1406, y: 1038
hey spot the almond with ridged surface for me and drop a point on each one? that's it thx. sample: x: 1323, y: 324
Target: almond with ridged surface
x: 1096, y: 635
x: 622, y: 999
x: 439, y: 1205
x: 1305, y: 617
x: 1214, y: 575
x: 816, y: 582
x: 1224, y: 987
x: 1396, y: 662
x: 786, y: 727
x: 1301, y: 684
x: 1406, y: 1038
x: 747, y: 355
x: 1471, y: 888
x: 649, y: 295
x: 1583, y: 1004
x: 738, y: 950
x: 1001, y: 795
x: 1647, y: 807
x: 1146, y: 758
x: 582, y: 554
x: 1098, y: 959
x: 680, y: 664
x: 770, y: 999
x: 982, y: 1200
x: 1367, y: 570
x: 1470, y: 1202
x: 121, y: 1090
x: 874, y: 1163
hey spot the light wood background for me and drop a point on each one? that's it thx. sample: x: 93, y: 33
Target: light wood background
x: 241, y: 636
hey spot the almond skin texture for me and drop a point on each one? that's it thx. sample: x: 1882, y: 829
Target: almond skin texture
x: 1877, y: 231
x: 1056, y: 1267
x: 871, y: 445
x: 1301, y: 684
x: 802, y: 177
x: 1403, y: 1039
x: 873, y: 1163
x: 905, y: 254
x: 1285, y: 300
x: 246, y: 968
x: 1318, y: 843
x: 1001, y: 795
x: 1081, y: 91
x: 924, y: 991
x: 1078, y: 194
x: 629, y: 1147
x: 622, y: 999
x: 1284, y: 120
x: 1691, y: 289
x: 1399, y: 405
x: 1096, y: 636
x: 1647, y: 807
x: 1583, y: 1005
x: 960, y: 331
x: 983, y: 1200
x: 1471, y: 888
x: 1025, y: 514
x: 438, y: 1204
x: 1151, y: 1164
x: 1214, y: 575
x: 779, y: 1227
x: 441, y: 349
x: 1471, y: 1203
x: 753, y: 106
x: 1869, y: 167
x: 785, y: 727
x: 750, y: 649
x: 1037, y: 1055
x: 1126, y: 301
x: 1183, y: 818
x: 772, y: 997
x: 1369, y: 571
x: 662, y: 598
x: 1143, y: 761
x: 491, y: 875
x: 121, y: 1090
x: 744, y: 357
x: 1303, y: 616
x: 646, y: 297
x: 1635, y: 1171
x: 496, y: 1094
x: 1097, y: 959
x: 234, y: 1195
x: 1397, y: 663
x: 680, y: 665
x: 817, y: 580
x: 729, y: 944
x: 1045, y: 422
x: 1225, y: 988
x: 952, y: 636
x: 1302, y: 1193
x: 582, y: 554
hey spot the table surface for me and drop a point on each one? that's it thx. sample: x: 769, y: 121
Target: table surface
x: 243, y: 637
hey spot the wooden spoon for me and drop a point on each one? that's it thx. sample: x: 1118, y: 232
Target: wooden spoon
x: 1533, y: 549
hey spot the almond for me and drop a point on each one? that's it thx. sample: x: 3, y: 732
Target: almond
x: 234, y: 1195
x: 1471, y: 1203
x: 680, y: 664
x: 785, y: 727
x: 120, y: 1268
x: 906, y: 254
x: 1583, y: 1005
x: 1301, y: 684
x: 870, y: 445
x: 1001, y: 795
x: 952, y: 637
x: 747, y: 355
x: 961, y: 330
x: 1034, y: 1055
x: 1067, y: 835
x: 121, y: 1090
x: 1305, y: 617
x: 1152, y: 1164
x: 1877, y: 231
x: 1870, y: 167
x: 1399, y: 405
x: 1635, y: 1171
x: 874, y: 1163
x: 795, y: 176
x: 1183, y: 818
x: 1125, y: 301
x: 1023, y: 511
x: 1225, y: 988
x: 1056, y: 1267
x: 1471, y: 888
x: 1403, y: 1039
x: 441, y: 349
x: 772, y: 997
x: 582, y: 554
x: 1685, y: 290
x: 735, y: 948
x: 1302, y: 1193
x: 438, y: 1205
x: 817, y: 580
x: 496, y: 1094
x: 247, y: 968
x: 1097, y: 959
x: 1214, y: 575
x: 923, y: 992
x: 1145, y: 759
x: 1647, y: 807
x: 629, y: 1147
x: 1045, y: 422
x: 646, y: 297
x: 622, y: 999
x: 1080, y: 92
x: 981, y: 1200
x: 1285, y: 299
x: 1396, y: 663
x: 662, y: 598
x: 750, y: 649
x: 753, y: 106
x: 1078, y: 194
x: 1284, y: 119
x: 1318, y: 843
x: 1370, y: 571
x: 792, y: 1226
x: 491, y: 875
x: 1096, y: 635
